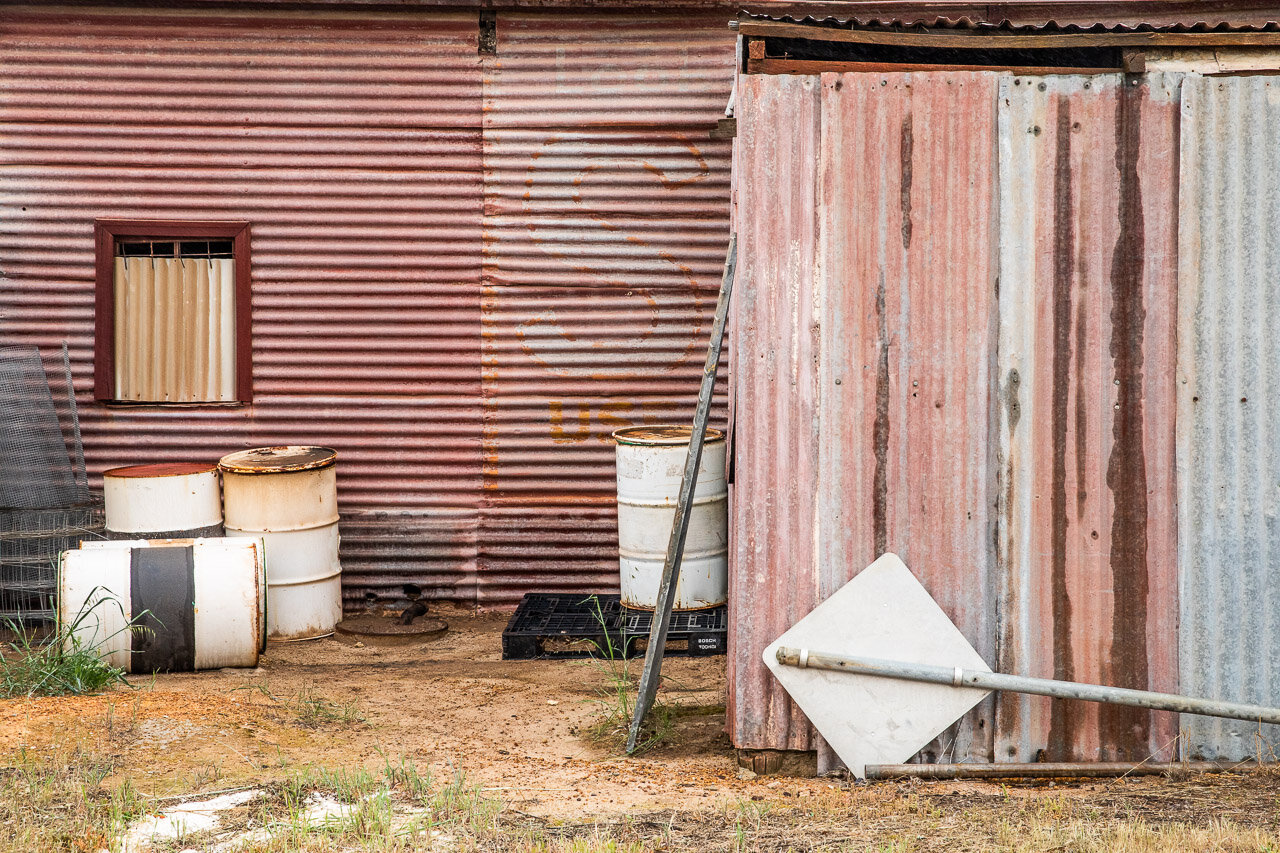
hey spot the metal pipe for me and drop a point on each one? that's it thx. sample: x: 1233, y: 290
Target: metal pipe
x: 958, y: 677
x: 1053, y: 770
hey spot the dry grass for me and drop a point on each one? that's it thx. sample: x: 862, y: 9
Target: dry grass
x: 62, y: 801
x: 58, y: 801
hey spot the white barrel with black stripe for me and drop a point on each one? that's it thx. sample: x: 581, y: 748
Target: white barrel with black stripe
x: 287, y: 497
x: 166, y: 605
x: 177, y: 500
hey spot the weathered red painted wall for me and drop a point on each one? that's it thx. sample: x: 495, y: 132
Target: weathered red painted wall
x: 466, y: 268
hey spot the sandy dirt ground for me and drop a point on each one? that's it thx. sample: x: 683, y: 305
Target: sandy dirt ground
x: 451, y: 704
x: 513, y: 727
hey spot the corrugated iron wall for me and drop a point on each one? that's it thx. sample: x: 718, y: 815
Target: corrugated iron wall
x: 365, y: 152
x: 352, y: 145
x: 1059, y: 396
x: 1088, y: 542
x: 605, y: 227
x: 773, y: 558
x: 1228, y: 385
x: 864, y: 341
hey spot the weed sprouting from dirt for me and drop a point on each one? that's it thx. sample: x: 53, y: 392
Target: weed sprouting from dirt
x: 311, y: 710
x: 615, y: 698
x: 397, y: 808
x: 64, y: 663
x: 315, y: 710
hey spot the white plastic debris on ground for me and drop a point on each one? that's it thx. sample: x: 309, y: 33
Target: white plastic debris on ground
x: 183, y: 821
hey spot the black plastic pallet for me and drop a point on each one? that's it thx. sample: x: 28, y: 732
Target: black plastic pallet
x: 556, y: 625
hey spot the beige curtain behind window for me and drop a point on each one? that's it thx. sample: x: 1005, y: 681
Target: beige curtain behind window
x: 175, y: 329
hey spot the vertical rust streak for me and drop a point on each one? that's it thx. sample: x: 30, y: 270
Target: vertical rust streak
x: 880, y: 430
x: 906, y: 144
x: 1061, y: 726
x: 1082, y: 408
x: 1127, y: 729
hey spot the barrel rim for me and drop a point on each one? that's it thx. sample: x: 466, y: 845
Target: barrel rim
x: 160, y: 469
x: 663, y: 435
x: 279, y: 459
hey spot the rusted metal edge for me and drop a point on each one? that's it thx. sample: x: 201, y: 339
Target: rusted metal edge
x: 1060, y: 15
x: 278, y: 460
x: 1054, y: 770
x: 777, y: 65
x: 995, y: 39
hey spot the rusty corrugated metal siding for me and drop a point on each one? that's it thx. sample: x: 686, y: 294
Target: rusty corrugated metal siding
x: 865, y: 332
x: 1229, y: 406
x: 366, y: 148
x: 606, y: 221
x: 773, y: 564
x: 352, y: 144
x: 1053, y: 401
x: 1088, y: 271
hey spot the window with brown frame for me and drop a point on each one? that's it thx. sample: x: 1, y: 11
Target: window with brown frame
x: 172, y: 312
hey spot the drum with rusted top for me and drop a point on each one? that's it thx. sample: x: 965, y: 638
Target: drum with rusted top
x: 651, y: 463
x: 178, y: 500
x: 287, y: 497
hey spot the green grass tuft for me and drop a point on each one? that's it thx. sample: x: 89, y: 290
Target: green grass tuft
x: 57, y: 665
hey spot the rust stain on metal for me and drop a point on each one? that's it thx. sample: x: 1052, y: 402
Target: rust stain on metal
x: 1128, y: 728
x: 1081, y: 321
x: 861, y: 362
x: 1061, y: 723
x: 1087, y: 260
x: 904, y: 150
x: 880, y: 432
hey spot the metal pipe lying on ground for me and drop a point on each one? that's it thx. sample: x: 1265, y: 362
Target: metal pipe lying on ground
x: 958, y: 677
x: 1052, y: 770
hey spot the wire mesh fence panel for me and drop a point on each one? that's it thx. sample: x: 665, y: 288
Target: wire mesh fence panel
x: 30, y: 542
x: 36, y: 470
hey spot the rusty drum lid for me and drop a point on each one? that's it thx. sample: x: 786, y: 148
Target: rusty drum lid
x: 161, y: 469
x: 662, y: 435
x: 279, y: 460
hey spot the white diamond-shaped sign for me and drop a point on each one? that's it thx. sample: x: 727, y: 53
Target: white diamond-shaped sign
x: 883, y: 613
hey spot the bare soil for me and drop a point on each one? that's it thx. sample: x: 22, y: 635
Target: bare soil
x: 516, y: 728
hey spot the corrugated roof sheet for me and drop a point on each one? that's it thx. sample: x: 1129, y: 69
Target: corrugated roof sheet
x: 1082, y: 16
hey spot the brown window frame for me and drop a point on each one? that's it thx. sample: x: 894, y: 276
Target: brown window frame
x: 105, y: 234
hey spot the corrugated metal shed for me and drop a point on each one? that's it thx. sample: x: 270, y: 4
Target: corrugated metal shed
x: 466, y: 270
x: 1229, y: 406
x: 865, y: 323
x: 1088, y: 230
x: 1019, y: 449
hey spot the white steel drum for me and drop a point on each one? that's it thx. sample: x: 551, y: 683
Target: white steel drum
x: 287, y: 497
x: 650, y: 463
x: 208, y: 617
x: 173, y: 500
